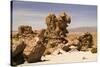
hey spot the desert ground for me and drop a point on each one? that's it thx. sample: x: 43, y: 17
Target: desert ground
x: 53, y: 45
x: 72, y: 56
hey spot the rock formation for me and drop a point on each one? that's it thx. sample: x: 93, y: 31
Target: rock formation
x: 26, y: 46
x: 57, y: 26
x: 34, y: 49
x: 86, y: 41
x: 17, y: 49
x: 30, y: 45
x: 25, y: 29
x: 56, y: 30
x: 62, y: 24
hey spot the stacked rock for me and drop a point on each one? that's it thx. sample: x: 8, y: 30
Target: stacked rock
x: 57, y: 26
x: 56, y: 29
x: 29, y: 45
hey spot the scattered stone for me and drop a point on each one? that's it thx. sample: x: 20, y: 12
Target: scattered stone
x: 94, y: 50
x: 62, y: 24
x: 84, y: 58
x: 66, y: 48
x: 56, y: 31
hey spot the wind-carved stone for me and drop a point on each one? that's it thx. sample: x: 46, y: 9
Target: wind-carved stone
x: 56, y: 26
x: 51, y: 24
x: 31, y: 45
x: 86, y: 41
x: 34, y: 48
x: 56, y: 30
x: 62, y: 24
x: 25, y: 30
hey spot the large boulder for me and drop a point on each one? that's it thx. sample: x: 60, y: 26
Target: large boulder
x: 17, y: 48
x: 86, y: 41
x: 18, y: 59
x: 34, y: 50
x: 30, y: 45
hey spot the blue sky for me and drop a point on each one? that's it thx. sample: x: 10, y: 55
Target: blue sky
x: 34, y: 13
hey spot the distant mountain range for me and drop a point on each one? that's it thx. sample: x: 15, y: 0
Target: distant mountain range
x: 83, y: 29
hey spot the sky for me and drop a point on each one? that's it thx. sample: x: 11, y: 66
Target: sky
x: 34, y: 14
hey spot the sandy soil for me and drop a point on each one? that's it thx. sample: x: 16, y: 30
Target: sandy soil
x: 65, y: 57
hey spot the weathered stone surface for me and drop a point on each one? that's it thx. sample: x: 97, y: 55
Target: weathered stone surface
x: 34, y: 50
x: 53, y: 44
x: 70, y: 44
x: 31, y: 45
x: 56, y: 31
x: 56, y: 26
x: 25, y: 29
x: 17, y: 51
x: 18, y: 59
x: 94, y: 50
x: 17, y: 46
x: 66, y: 48
x: 86, y: 41
x: 62, y: 24
x: 14, y: 35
